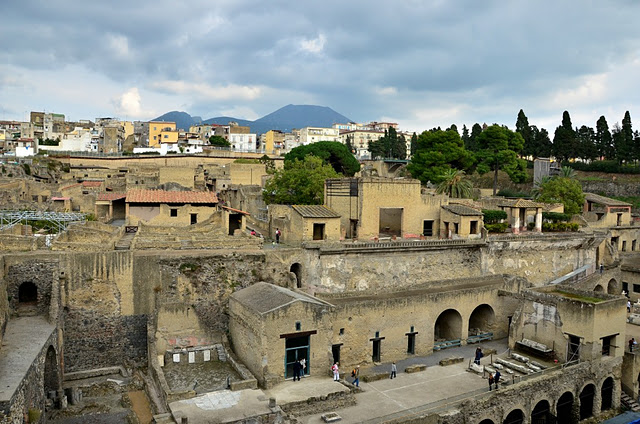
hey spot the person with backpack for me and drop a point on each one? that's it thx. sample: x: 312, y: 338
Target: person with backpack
x: 496, y: 378
x: 356, y: 376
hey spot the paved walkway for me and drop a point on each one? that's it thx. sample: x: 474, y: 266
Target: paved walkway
x: 23, y: 341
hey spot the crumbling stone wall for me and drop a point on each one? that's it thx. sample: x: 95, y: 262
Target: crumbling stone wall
x: 41, y: 272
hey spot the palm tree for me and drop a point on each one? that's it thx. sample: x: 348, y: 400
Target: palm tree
x: 455, y: 184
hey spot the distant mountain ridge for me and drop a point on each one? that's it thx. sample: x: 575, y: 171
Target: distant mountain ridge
x: 284, y: 119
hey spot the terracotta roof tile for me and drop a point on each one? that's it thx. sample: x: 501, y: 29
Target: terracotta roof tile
x: 161, y: 196
x: 602, y: 200
x: 111, y: 196
x: 315, y: 211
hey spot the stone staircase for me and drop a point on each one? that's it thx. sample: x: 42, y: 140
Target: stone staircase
x: 125, y: 241
x: 629, y: 403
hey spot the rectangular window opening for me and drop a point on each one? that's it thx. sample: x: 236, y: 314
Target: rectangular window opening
x: 174, y: 212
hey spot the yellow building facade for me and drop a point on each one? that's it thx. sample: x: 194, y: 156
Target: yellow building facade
x: 162, y: 132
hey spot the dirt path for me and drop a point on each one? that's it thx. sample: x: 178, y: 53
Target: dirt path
x: 140, y: 405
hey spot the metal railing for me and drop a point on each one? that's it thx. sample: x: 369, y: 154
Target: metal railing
x: 60, y: 220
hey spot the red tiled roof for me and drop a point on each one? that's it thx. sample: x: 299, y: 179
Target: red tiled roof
x: 161, y: 196
x: 111, y: 196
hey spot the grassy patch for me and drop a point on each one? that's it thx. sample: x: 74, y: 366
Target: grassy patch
x: 189, y: 267
x: 634, y: 200
x: 577, y: 296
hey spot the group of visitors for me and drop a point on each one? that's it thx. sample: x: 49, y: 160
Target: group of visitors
x: 299, y: 368
x: 494, y: 379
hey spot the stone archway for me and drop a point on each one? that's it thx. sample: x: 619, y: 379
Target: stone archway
x: 541, y: 413
x: 515, y: 417
x: 613, y: 288
x: 487, y: 421
x: 598, y: 289
x: 481, y: 320
x: 564, y: 408
x: 51, y: 373
x: 448, y: 326
x: 606, y: 394
x: 27, y: 293
x: 586, y: 401
x: 296, y: 269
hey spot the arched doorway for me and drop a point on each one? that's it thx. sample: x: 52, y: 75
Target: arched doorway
x: 612, y: 287
x: 481, y: 320
x: 541, y: 414
x: 51, y: 376
x: 487, y: 421
x: 586, y: 401
x: 28, y: 293
x: 515, y: 417
x: 297, y: 270
x: 599, y: 289
x: 564, y: 408
x: 606, y: 394
x: 448, y: 325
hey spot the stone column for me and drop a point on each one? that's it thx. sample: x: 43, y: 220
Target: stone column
x: 516, y: 220
x: 538, y: 220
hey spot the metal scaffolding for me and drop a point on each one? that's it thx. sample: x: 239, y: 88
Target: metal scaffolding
x: 60, y: 220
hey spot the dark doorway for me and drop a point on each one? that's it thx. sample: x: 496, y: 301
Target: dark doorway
x: 515, y: 417
x: 194, y: 218
x: 296, y: 348
x: 448, y: 326
x: 297, y: 271
x: 573, y: 348
x: 541, y: 413
x: 564, y: 409
x: 612, y: 287
x: 411, y: 343
x: 235, y: 222
x: 353, y: 225
x: 599, y: 289
x: 28, y: 293
x: 51, y: 375
x: 473, y: 227
x: 375, y: 356
x: 427, y: 228
x: 481, y: 320
x: 318, y: 231
x: 607, y: 394
x: 391, y: 221
x: 487, y: 421
x: 335, y: 351
x: 586, y: 401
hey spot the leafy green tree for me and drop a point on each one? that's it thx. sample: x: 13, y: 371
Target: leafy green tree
x: 333, y: 153
x: 216, y: 140
x: 437, y: 152
x: 300, y: 182
x: 498, y: 149
x: 524, y: 129
x: 624, y: 141
x: 585, y: 141
x: 564, y: 139
x: 349, y: 143
x: 269, y: 164
x: 476, y: 130
x: 567, y: 191
x: 455, y: 184
x: 603, y: 140
x: 389, y: 146
x: 540, y: 143
x: 465, y: 135
x: 414, y: 143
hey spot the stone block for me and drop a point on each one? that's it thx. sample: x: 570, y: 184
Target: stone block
x: 375, y: 377
x: 451, y: 361
x: 244, y: 384
x: 415, y: 368
x: 330, y: 417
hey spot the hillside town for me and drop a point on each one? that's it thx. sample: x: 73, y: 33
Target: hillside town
x: 157, y: 274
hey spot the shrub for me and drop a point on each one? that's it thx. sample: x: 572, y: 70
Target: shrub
x: 556, y: 216
x: 27, y: 168
x: 531, y: 226
x: 493, y: 216
x: 507, y: 192
x: 609, y: 166
x: 497, y: 228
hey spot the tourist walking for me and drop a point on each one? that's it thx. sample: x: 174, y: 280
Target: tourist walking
x: 336, y: 372
x: 479, y: 355
x: 303, y: 366
x: 628, y: 306
x: 632, y: 343
x: 394, y: 370
x: 490, y: 381
x: 496, y: 378
x: 278, y: 234
x: 356, y: 376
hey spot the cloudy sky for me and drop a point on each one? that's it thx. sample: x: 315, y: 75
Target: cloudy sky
x: 420, y: 63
